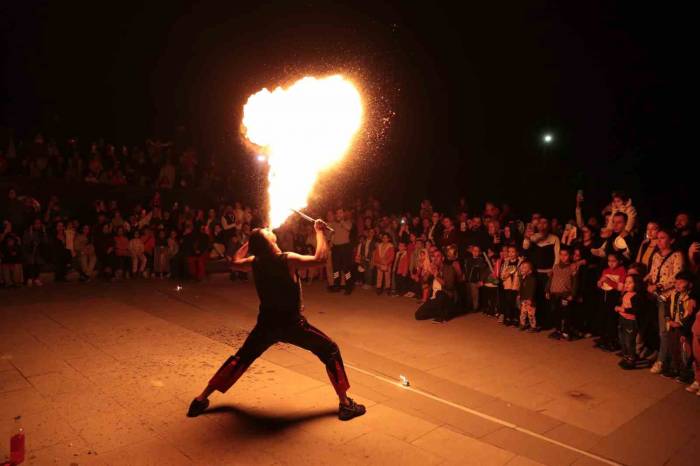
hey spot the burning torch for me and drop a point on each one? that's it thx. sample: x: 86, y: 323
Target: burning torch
x: 312, y: 220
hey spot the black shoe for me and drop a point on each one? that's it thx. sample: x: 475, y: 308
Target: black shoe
x: 351, y: 410
x: 555, y: 335
x: 669, y: 373
x: 197, y: 407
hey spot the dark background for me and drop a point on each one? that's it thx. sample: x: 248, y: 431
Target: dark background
x: 457, y: 98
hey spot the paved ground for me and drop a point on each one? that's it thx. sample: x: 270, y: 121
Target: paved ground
x: 103, y: 374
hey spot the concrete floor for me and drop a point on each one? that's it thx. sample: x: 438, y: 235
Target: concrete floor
x: 103, y: 374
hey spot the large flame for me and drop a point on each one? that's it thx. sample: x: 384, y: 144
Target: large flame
x: 303, y: 130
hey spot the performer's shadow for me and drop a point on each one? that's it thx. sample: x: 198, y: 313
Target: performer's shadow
x: 258, y: 422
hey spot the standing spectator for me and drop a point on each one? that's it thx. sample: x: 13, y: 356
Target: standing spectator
x: 648, y: 246
x: 510, y: 278
x: 14, y: 211
x: 341, y: 251
x: 528, y: 287
x: 631, y: 306
x: 560, y: 292
x: 543, y: 249
x: 617, y: 240
x: 122, y: 254
x: 475, y: 272
x: 194, y: 249
x: 665, y: 265
x: 175, y: 255
x: 60, y: 252
x: 85, y: 253
x: 383, y: 260
x: 105, y: 251
x: 161, y: 259
x: 399, y: 271
x: 682, y: 233
x: 449, y: 234
x: 11, y: 259
x: 679, y: 319
x: 365, y: 258
x: 138, y: 257
x: 611, y: 283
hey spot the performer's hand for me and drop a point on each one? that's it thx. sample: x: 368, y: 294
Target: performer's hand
x: 319, y: 225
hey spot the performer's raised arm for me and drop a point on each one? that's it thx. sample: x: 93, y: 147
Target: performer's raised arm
x: 242, y: 262
x: 300, y: 261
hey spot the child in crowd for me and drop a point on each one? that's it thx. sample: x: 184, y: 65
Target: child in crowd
x: 383, y: 259
x: 631, y: 306
x: 138, y: 258
x: 11, y: 253
x: 528, y: 286
x: 490, y: 290
x: 560, y: 292
x: 161, y: 259
x: 122, y: 253
x: 610, y: 283
x: 510, y: 278
x: 680, y: 316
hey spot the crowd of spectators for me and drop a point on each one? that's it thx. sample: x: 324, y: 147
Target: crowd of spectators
x: 601, y: 273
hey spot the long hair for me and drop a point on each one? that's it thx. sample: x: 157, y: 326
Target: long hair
x: 259, y: 245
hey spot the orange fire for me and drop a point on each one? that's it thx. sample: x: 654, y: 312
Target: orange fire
x: 303, y: 130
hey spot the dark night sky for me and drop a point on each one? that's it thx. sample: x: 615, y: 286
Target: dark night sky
x: 469, y: 90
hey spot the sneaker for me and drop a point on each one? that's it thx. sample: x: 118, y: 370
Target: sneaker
x: 410, y: 294
x: 501, y: 319
x: 685, y: 379
x: 522, y: 328
x: 534, y: 330
x: 197, y: 407
x: 693, y: 388
x: 657, y: 368
x: 555, y: 335
x: 351, y: 410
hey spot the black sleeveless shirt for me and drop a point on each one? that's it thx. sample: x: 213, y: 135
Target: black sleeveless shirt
x: 280, y: 295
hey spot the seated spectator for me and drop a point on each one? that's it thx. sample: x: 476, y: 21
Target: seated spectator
x: 60, y: 253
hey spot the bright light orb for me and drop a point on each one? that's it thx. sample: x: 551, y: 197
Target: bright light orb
x: 303, y: 130
x: 547, y: 138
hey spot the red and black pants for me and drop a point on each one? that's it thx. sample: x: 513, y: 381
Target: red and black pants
x: 300, y: 334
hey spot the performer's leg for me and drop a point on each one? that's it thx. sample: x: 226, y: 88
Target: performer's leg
x: 310, y: 338
x: 230, y: 371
